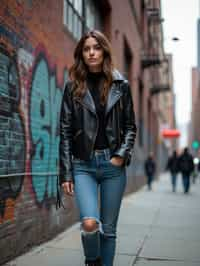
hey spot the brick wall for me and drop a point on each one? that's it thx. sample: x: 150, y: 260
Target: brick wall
x: 35, y: 54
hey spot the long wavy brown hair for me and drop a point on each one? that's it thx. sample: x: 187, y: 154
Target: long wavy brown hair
x: 79, y: 70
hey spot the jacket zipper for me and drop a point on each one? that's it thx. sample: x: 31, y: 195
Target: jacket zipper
x: 96, y: 132
x: 96, y: 120
x: 77, y: 134
x: 118, y: 122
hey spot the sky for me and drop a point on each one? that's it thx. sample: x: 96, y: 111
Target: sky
x: 180, y: 20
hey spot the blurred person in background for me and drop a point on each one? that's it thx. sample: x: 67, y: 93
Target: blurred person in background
x: 150, y: 169
x: 196, y: 169
x: 173, y: 167
x: 186, y: 167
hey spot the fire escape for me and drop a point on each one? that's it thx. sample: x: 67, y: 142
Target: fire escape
x: 153, y: 56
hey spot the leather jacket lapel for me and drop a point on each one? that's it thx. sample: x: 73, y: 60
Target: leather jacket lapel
x: 113, y: 97
x: 88, y: 102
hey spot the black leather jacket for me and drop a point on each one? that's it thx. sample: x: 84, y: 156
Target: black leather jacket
x: 79, y: 125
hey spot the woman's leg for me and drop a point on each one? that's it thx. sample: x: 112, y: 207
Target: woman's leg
x: 175, y: 181
x: 86, y: 192
x: 112, y: 188
x: 187, y: 186
x: 184, y: 179
x: 173, y: 176
x: 149, y: 181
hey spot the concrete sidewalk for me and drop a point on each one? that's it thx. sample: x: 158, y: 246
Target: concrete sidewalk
x: 156, y: 228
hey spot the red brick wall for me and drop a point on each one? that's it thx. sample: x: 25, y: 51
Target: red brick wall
x: 37, y: 49
x: 195, y: 126
x: 34, y: 42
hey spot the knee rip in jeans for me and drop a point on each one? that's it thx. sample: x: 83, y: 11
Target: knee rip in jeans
x: 90, y: 225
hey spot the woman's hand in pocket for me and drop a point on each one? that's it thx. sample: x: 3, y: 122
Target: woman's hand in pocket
x: 117, y: 160
x: 68, y: 188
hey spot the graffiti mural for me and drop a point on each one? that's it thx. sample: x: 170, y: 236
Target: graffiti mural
x: 30, y: 100
x: 12, y: 136
x: 45, y: 101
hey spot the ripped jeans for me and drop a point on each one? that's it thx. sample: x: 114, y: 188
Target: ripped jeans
x: 99, y: 187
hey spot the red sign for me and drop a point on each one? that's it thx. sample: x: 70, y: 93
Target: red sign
x: 171, y: 133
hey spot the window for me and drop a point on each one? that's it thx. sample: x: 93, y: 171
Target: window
x: 73, y: 16
x: 80, y: 16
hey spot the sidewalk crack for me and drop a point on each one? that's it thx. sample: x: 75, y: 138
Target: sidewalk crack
x: 139, y: 250
x: 146, y: 237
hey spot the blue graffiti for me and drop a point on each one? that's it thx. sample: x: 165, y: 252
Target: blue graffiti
x: 15, y: 38
x: 12, y: 135
x: 45, y: 101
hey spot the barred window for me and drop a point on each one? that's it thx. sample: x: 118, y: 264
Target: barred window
x: 80, y: 16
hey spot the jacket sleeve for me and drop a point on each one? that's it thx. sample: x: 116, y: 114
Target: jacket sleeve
x: 129, y: 125
x: 65, y: 145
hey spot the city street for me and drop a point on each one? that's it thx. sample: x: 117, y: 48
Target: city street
x: 156, y: 228
x: 132, y: 95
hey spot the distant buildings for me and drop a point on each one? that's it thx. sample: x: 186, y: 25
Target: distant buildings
x: 194, y: 129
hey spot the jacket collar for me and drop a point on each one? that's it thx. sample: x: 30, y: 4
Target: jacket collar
x: 88, y: 102
x: 117, y: 76
x: 113, y: 96
x: 115, y: 93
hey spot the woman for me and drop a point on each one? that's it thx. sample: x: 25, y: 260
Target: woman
x: 97, y: 133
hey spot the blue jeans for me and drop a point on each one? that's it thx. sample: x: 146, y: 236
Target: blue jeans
x: 99, y: 188
x: 149, y: 181
x: 186, y: 182
x: 173, y: 179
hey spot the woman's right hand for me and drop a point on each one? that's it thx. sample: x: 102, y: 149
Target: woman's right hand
x: 68, y: 188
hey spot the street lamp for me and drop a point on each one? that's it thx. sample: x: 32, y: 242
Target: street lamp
x: 175, y: 39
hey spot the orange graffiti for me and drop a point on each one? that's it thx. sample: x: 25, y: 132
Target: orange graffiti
x: 9, y: 211
x: 4, y: 43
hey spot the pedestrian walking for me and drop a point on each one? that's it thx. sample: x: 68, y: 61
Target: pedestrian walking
x: 195, y: 172
x: 97, y: 134
x: 150, y: 169
x: 198, y: 169
x: 173, y: 167
x: 186, y: 166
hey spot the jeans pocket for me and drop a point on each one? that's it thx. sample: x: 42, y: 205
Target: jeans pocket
x: 114, y: 165
x: 77, y: 161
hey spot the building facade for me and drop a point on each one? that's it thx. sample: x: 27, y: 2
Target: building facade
x: 194, y: 130
x: 194, y: 125
x: 37, y: 39
x: 167, y: 106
